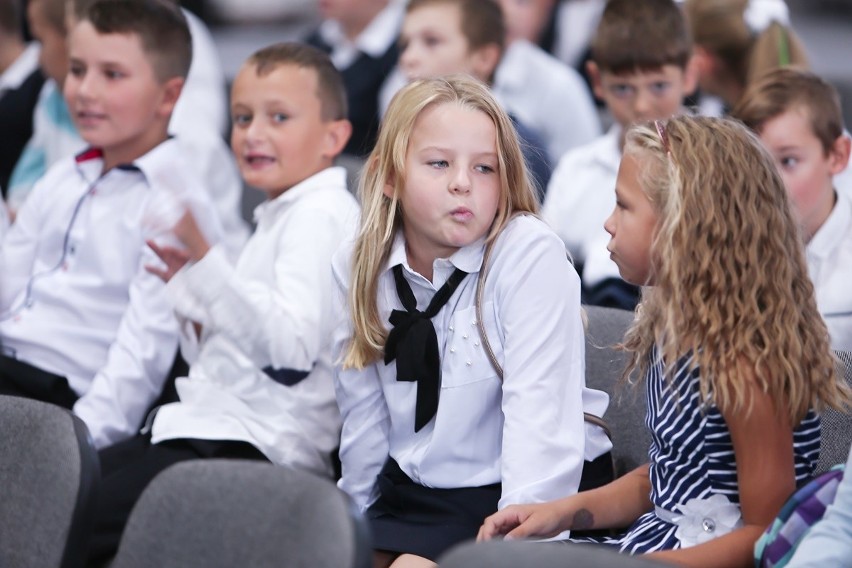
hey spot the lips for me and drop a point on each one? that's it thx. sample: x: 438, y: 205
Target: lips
x: 87, y: 117
x: 258, y: 160
x: 461, y: 214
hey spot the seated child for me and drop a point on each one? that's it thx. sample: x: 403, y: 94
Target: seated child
x: 734, y: 355
x: 435, y: 437
x: 639, y: 68
x: 442, y: 37
x: 20, y: 83
x: 797, y: 116
x: 260, y: 375
x: 82, y: 324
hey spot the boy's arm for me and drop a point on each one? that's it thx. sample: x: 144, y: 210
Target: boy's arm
x: 137, y: 364
x: 18, y: 250
x: 763, y: 446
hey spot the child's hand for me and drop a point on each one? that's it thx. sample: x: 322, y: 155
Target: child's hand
x: 542, y: 520
x: 174, y: 259
x: 190, y: 235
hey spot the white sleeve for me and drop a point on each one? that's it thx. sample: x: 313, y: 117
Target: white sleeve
x: 537, y: 298
x: 137, y: 363
x: 19, y: 247
x: 364, y: 444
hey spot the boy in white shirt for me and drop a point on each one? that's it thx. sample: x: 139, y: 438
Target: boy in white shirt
x: 640, y: 69
x: 82, y: 324
x: 260, y: 376
x: 798, y: 117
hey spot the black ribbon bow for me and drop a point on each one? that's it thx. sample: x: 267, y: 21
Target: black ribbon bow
x: 414, y: 344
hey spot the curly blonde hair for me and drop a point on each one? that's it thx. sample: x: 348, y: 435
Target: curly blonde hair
x: 730, y: 281
x: 381, y: 216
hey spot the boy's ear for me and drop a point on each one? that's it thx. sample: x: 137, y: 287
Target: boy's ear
x: 839, y: 154
x: 336, y: 136
x: 484, y: 60
x: 595, y: 77
x: 171, y: 92
x: 703, y: 62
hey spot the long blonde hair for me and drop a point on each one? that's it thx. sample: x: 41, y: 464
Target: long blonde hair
x: 731, y: 283
x: 381, y: 216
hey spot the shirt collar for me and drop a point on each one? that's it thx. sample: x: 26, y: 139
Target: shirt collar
x: 158, y: 163
x: 468, y: 258
x: 831, y: 234
x: 330, y: 177
x: 376, y: 38
x: 20, y: 69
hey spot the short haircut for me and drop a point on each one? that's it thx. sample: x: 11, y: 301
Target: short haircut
x: 637, y: 35
x: 54, y: 13
x: 786, y: 88
x: 481, y: 20
x: 10, y: 17
x: 160, y: 25
x: 330, y: 88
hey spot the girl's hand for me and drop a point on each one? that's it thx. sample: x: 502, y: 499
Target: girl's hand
x: 190, y: 235
x: 174, y: 259
x: 541, y: 520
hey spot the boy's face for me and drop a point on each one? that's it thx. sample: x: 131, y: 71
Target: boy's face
x: 279, y: 136
x: 526, y: 19
x: 432, y: 44
x: 114, y: 96
x: 53, y: 58
x: 805, y: 166
x: 642, y: 95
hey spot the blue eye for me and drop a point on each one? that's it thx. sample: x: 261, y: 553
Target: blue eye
x: 279, y: 117
x: 622, y: 91
x: 660, y: 88
x: 788, y: 162
x: 111, y: 74
x: 241, y: 119
x: 484, y: 169
x: 438, y: 163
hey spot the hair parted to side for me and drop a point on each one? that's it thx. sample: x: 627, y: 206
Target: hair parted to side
x: 330, y: 88
x: 381, y: 216
x: 10, y: 17
x: 641, y: 36
x: 161, y: 28
x: 789, y: 88
x: 720, y: 27
x: 731, y: 283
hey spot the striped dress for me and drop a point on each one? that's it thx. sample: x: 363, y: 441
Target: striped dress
x: 692, y: 456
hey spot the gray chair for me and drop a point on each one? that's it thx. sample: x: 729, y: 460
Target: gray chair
x: 604, y: 366
x: 836, y: 434
x: 227, y: 513
x: 49, y: 473
x: 519, y: 554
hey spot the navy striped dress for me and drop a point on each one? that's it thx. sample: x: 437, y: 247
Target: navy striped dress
x: 692, y: 456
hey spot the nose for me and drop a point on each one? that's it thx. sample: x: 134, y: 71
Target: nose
x: 643, y: 104
x: 409, y: 61
x: 609, y: 224
x: 460, y: 182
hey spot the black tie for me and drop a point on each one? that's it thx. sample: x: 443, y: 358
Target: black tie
x: 414, y: 343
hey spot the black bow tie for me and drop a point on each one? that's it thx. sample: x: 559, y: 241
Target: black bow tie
x: 414, y: 344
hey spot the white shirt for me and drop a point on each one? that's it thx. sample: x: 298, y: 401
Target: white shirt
x: 76, y: 298
x: 829, y: 255
x: 546, y: 96
x: 4, y: 220
x: 581, y: 193
x: 271, y: 311
x: 374, y: 40
x: 531, y: 307
x: 20, y: 69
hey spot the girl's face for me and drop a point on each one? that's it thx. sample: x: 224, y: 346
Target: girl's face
x: 452, y: 181
x: 432, y: 44
x: 631, y: 226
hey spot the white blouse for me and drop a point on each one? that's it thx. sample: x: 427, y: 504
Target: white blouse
x: 523, y: 431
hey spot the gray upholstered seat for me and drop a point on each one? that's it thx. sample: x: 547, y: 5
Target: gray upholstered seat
x: 518, y: 554
x: 604, y: 367
x: 836, y: 426
x: 48, y: 476
x: 227, y: 513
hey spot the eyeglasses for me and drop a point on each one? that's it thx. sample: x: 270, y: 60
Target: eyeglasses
x: 664, y: 137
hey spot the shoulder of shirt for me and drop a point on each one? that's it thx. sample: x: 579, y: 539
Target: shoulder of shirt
x: 525, y: 231
x: 577, y: 161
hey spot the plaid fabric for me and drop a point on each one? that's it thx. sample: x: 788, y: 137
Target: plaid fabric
x: 799, y: 514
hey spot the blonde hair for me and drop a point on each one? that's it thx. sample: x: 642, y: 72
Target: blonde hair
x: 719, y: 26
x: 731, y: 285
x: 381, y: 216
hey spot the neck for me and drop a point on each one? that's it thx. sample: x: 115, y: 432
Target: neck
x: 10, y: 50
x: 128, y: 153
x: 422, y: 264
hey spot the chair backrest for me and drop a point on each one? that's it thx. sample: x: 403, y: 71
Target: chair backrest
x: 604, y: 367
x: 225, y: 513
x: 836, y: 436
x: 519, y: 554
x: 49, y: 473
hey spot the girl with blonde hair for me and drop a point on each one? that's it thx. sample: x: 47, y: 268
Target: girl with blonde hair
x: 738, y: 41
x: 433, y: 439
x: 734, y: 354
